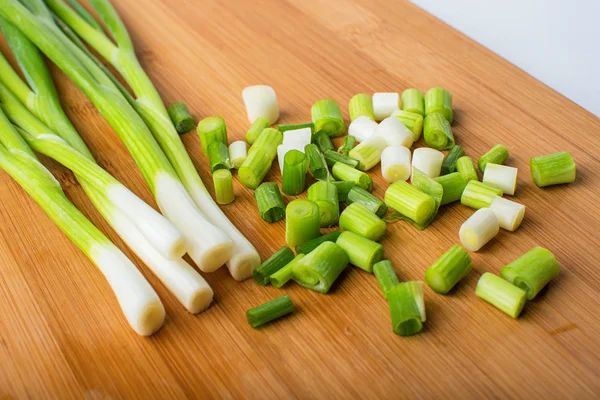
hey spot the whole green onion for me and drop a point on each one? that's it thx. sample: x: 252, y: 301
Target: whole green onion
x: 454, y: 185
x: 553, y: 169
x: 362, y: 252
x: 302, y: 222
x: 439, y: 100
x: 343, y: 188
x: 312, y: 244
x: 324, y: 194
x: 327, y: 116
x: 466, y: 167
x: 359, y: 219
x: 405, y: 300
x: 437, y: 132
x: 343, y: 172
x: 181, y: 117
x: 502, y: 294
x: 323, y: 142
x: 293, y: 127
x: 412, y: 121
x: 285, y: 274
x: 211, y: 129
x: 449, y: 164
x: 223, y: 182
x: 360, y: 195
x: 412, y: 101
x: 532, y: 271
x: 270, y: 311
x: 349, y: 143
x: 319, y: 269
x: 361, y: 105
x: 479, y: 195
x: 273, y: 264
x: 294, y: 173
x: 258, y: 126
x: 496, y: 155
x: 332, y: 157
x: 316, y: 162
x: 386, y: 276
x: 447, y: 270
x: 218, y: 156
x: 269, y: 202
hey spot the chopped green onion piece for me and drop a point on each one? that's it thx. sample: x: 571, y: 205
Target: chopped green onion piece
x: 261, y: 101
x: 454, y: 185
x: 359, y: 219
x: 437, y: 132
x: 332, y: 157
x: 218, y: 156
x: 270, y: 311
x: 502, y: 177
x: 349, y: 143
x: 362, y: 128
x: 384, y: 104
x: 324, y: 194
x: 466, y: 167
x: 181, y: 117
x: 395, y: 163
x: 294, y: 127
x: 312, y: 244
x: 479, y: 195
x: 497, y: 155
x: 438, y: 100
x: 254, y: 169
x: 360, y: 195
x: 509, y: 213
x: 319, y: 269
x: 361, y: 105
x: 394, y: 133
x: 268, y: 141
x: 317, y: 166
x: 327, y: 116
x: 238, y: 153
x: 294, y: 173
x: 449, y: 269
x: 480, y: 228
x: 285, y: 274
x: 211, y: 129
x: 345, y: 172
x: 223, y: 182
x: 449, y: 164
x: 553, y: 169
x: 280, y: 259
x: 269, y: 202
x: 412, y: 121
x: 532, y: 271
x: 343, y: 188
x: 405, y: 300
x: 386, y: 276
x: 429, y: 186
x: 410, y: 202
x: 428, y: 161
x: 322, y: 141
x: 258, y: 126
x: 368, y: 153
x: 501, y: 294
x: 302, y: 222
x: 362, y: 252
x: 413, y: 101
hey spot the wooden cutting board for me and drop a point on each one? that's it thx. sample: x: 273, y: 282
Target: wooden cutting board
x: 61, y: 332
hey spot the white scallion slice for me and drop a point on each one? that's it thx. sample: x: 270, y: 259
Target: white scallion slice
x: 299, y: 137
x: 395, y: 133
x: 395, y: 163
x: 362, y: 128
x: 480, y: 228
x: 384, y: 104
x: 261, y: 101
x: 429, y: 161
x: 238, y: 153
x: 501, y: 176
x: 509, y: 213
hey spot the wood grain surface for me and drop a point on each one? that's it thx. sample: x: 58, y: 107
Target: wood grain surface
x: 61, y: 332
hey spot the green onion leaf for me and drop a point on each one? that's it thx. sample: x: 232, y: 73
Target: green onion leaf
x: 323, y: 142
x: 449, y: 164
x: 294, y: 127
x: 343, y: 172
x: 332, y: 157
x: 349, y: 143
x: 317, y: 166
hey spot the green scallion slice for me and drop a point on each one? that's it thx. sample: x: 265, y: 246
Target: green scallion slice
x: 317, y: 166
x: 285, y: 274
x: 270, y: 311
x: 439, y: 100
x: 449, y: 269
x: 361, y: 105
x: 294, y: 173
x: 412, y: 121
x: 327, y: 116
x: 223, y: 182
x: 343, y: 172
x: 323, y: 142
x: 466, y: 167
x: 259, y: 125
x: 553, y: 169
x: 406, y: 308
x: 479, y: 195
x: 437, y: 132
x: 360, y: 195
x: 449, y: 164
x: 312, y: 244
x: 211, y: 129
x: 349, y: 143
x: 501, y: 294
x: 410, y: 202
x: 181, y: 117
x: 359, y: 219
x: 332, y: 157
x: 324, y: 194
x: 386, y: 276
x: 497, y: 155
x: 280, y: 259
x: 319, y: 269
x: 218, y: 156
x: 362, y: 252
x: 343, y: 188
x: 454, y: 185
x: 532, y: 271
x: 269, y: 202
x: 413, y: 101
x: 302, y: 222
x: 294, y: 127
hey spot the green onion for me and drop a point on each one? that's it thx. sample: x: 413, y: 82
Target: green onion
x: 553, y: 169
x: 319, y: 269
x: 269, y: 202
x: 181, y: 117
x: 273, y: 264
x: 438, y: 100
x: 238, y: 153
x: 362, y: 252
x: 413, y: 101
x: 316, y: 162
x: 343, y: 188
x: 294, y: 127
x: 327, y: 116
x: 285, y: 274
x: 428, y: 161
x: 404, y: 300
x: 412, y: 121
x: 361, y: 105
x: 254, y: 168
x: 268, y: 141
x: 509, y: 213
x: 454, y: 185
x: 502, y: 177
x: 395, y: 163
x: 210, y: 130
x: 497, y: 155
x: 323, y: 142
x: 294, y: 173
x: 429, y: 186
x: 532, y: 271
x: 437, y: 132
x: 359, y: 219
x: 302, y: 222
x: 223, y: 182
x: 261, y: 101
x: 349, y: 143
x: 257, y: 127
x: 324, y: 194
x: 312, y: 244
x: 449, y: 269
x: 480, y: 228
x: 362, y: 128
x: 449, y: 164
x: 343, y: 172
x: 384, y: 104
x: 410, y: 202
x: 479, y: 195
x: 332, y: 157
x: 270, y: 311
x: 368, y: 153
x: 394, y: 133
x: 501, y: 294
x: 466, y: 167
x: 218, y: 156
x: 386, y: 276
x: 360, y: 195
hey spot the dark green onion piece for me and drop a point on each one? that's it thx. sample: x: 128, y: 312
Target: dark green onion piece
x: 319, y: 269
x: 293, y: 127
x: 316, y: 162
x: 285, y: 274
x: 259, y: 125
x: 360, y: 195
x: 362, y: 252
x: 450, y: 268
x: 332, y: 157
x: 454, y: 185
x: 466, y: 167
x: 273, y: 264
x: 437, y: 132
x: 181, y: 117
x: 359, y: 219
x: 270, y: 311
x: 322, y: 141
x: 218, y: 156
x: 343, y: 188
x: 349, y: 143
x: 294, y: 173
x: 532, y: 271
x: 211, y: 129
x: 324, y: 194
x: 497, y: 155
x: 386, y: 276
x: 412, y: 101
x: 302, y: 222
x: 344, y: 172
x: 449, y: 164
x: 309, y: 246
x: 269, y: 202
x: 404, y: 301
x: 439, y: 100
x: 327, y: 116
